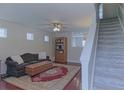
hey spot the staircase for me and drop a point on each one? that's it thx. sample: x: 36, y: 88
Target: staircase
x: 109, y: 66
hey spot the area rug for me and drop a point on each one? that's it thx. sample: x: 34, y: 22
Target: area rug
x: 25, y: 82
x: 51, y: 74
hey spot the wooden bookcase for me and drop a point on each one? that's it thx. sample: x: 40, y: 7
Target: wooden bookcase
x: 61, y: 50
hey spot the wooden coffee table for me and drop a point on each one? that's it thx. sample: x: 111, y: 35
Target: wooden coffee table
x: 37, y: 68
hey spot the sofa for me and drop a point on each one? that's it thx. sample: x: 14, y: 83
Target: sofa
x: 17, y: 69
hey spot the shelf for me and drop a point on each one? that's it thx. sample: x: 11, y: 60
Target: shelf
x: 61, y: 50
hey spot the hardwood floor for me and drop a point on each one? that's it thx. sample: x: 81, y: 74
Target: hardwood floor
x: 7, y: 86
x: 74, y: 84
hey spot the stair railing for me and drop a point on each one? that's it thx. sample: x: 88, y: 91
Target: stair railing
x: 120, y: 15
x: 93, y: 59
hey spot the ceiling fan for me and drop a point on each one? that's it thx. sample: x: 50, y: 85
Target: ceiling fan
x: 56, y: 26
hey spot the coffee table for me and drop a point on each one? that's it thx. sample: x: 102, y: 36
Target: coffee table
x: 37, y: 68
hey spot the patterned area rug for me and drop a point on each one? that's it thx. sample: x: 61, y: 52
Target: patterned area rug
x: 51, y: 74
x: 25, y: 82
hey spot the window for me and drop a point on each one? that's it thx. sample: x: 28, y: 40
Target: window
x: 30, y: 36
x: 78, y: 40
x: 101, y: 11
x: 3, y: 33
x: 46, y: 38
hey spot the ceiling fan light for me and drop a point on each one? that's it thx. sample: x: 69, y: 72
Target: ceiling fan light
x: 56, y: 29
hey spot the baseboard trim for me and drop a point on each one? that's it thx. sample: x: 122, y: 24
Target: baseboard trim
x: 74, y: 64
x: 74, y: 61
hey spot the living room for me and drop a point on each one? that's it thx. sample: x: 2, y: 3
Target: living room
x: 28, y: 28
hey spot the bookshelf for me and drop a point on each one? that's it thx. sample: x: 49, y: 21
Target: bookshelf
x: 61, y: 50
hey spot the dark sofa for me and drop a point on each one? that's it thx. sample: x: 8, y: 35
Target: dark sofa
x: 17, y: 70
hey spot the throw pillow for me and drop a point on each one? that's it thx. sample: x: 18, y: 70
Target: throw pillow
x: 18, y: 59
x: 42, y: 55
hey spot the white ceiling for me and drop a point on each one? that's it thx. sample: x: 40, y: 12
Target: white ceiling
x: 36, y: 15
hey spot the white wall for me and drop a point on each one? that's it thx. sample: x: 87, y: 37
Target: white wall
x: 73, y: 52
x: 86, y: 54
x: 109, y: 10
x: 16, y: 42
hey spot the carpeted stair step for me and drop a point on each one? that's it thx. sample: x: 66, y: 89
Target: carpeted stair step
x: 112, y: 35
x: 116, y: 65
x: 108, y: 83
x: 109, y: 65
x: 102, y: 41
x: 107, y: 26
x: 111, y: 32
x: 108, y: 20
x: 104, y: 71
x: 112, y: 53
x: 106, y: 29
x: 114, y: 62
x: 110, y: 50
x: 108, y: 56
x: 111, y: 38
x: 111, y: 44
x: 109, y: 23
